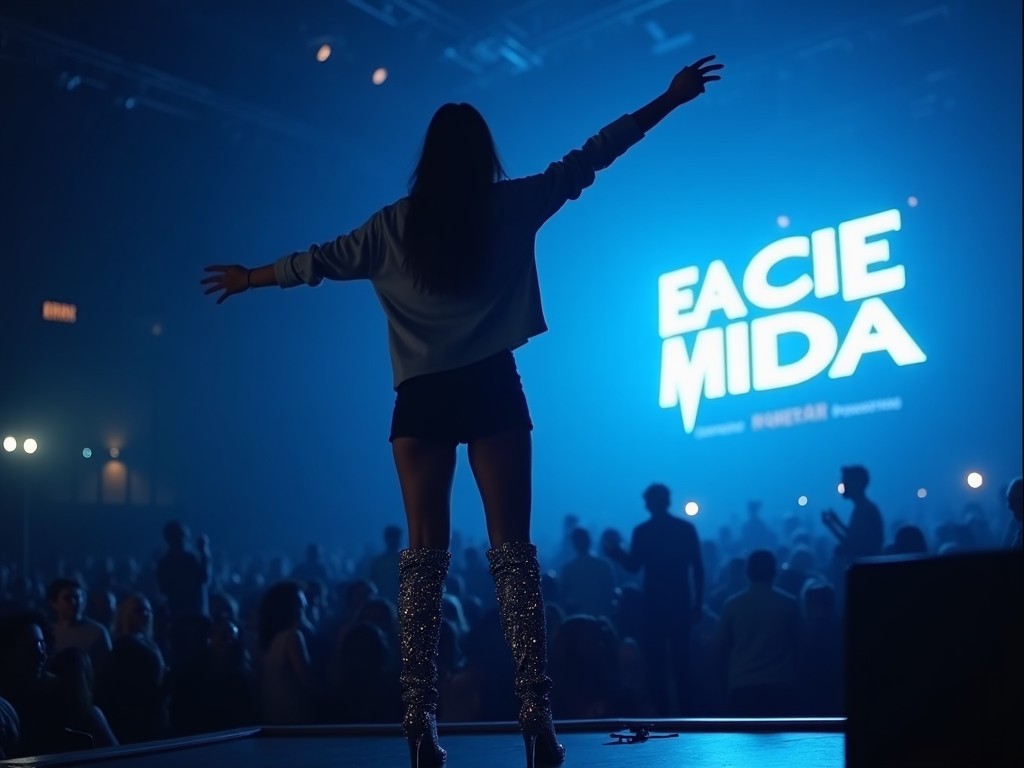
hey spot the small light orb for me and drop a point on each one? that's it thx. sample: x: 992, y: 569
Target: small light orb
x: 783, y: 221
x: 802, y: 501
x: 922, y: 493
x: 912, y: 201
x: 691, y: 508
x: 974, y: 479
x: 87, y: 453
x: 379, y: 76
x: 323, y: 53
x: 841, y: 489
x: 10, y: 443
x: 114, y: 453
x: 30, y: 445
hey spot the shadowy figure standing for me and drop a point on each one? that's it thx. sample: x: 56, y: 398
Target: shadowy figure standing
x: 383, y: 571
x: 183, y: 576
x: 864, y: 536
x: 454, y: 268
x: 668, y: 551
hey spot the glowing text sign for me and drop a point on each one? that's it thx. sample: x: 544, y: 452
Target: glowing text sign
x: 745, y: 355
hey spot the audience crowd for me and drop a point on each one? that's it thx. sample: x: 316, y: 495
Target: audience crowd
x: 659, y: 623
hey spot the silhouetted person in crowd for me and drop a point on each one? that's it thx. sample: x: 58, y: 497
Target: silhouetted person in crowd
x: 10, y: 730
x: 286, y: 680
x: 383, y: 570
x: 1014, y: 503
x: 667, y: 549
x: 585, y: 661
x: 366, y: 683
x: 477, y: 578
x: 864, y: 535
x: 588, y: 582
x: 454, y: 267
x: 313, y: 568
x: 757, y: 639
x: 755, y: 533
x: 73, y: 629
x: 75, y: 685
x: 909, y: 540
x: 133, y: 690
x: 820, y: 659
x: 44, y: 726
x: 566, y: 549
x: 183, y: 576
x: 217, y: 690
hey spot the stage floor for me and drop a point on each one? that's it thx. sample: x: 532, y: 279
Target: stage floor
x: 720, y: 743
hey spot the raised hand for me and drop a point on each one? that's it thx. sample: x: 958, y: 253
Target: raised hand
x: 689, y: 83
x: 229, y: 278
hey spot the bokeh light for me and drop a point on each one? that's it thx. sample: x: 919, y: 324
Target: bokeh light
x: 87, y: 453
x: 691, y: 508
x: 323, y: 53
x: 30, y: 445
x: 802, y: 501
x: 379, y: 76
x: 974, y: 479
x: 10, y: 443
x: 922, y: 492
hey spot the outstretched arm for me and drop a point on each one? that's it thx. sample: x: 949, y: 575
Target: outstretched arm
x: 687, y: 85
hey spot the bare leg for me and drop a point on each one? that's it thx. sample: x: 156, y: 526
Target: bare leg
x: 502, y: 467
x: 425, y: 472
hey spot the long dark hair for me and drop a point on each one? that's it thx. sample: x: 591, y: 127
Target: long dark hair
x: 446, y: 229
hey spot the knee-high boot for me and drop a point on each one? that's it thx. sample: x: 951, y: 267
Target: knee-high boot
x: 517, y: 582
x: 421, y: 577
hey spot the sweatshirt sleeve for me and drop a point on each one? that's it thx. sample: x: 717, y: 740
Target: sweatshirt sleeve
x: 347, y: 257
x: 566, y: 179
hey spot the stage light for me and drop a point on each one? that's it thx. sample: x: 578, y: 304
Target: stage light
x: 10, y: 443
x: 30, y: 445
x: 323, y: 53
x: 379, y: 76
x: 841, y: 489
x: 691, y: 508
x: 974, y: 479
x: 802, y: 501
x: 912, y: 201
x: 114, y: 453
x: 87, y: 453
x: 783, y: 221
x: 922, y: 492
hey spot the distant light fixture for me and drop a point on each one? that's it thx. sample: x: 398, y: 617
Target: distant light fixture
x: 841, y: 489
x: 87, y: 453
x: 60, y: 312
x: 10, y: 444
x: 922, y: 493
x: 30, y: 445
x: 130, y: 103
x: 114, y: 453
x: 974, y: 479
x: 323, y: 53
x: 691, y: 508
x: 157, y: 329
x: 379, y: 76
x: 912, y: 201
x: 783, y: 221
x: 802, y: 501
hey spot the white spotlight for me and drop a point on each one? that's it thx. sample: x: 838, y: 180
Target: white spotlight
x: 974, y: 479
x: 30, y: 445
x: 802, y: 501
x: 912, y: 201
x: 87, y: 453
x: 379, y: 76
x: 841, y: 489
x: 691, y: 508
x: 783, y: 221
x: 922, y: 492
x: 10, y: 443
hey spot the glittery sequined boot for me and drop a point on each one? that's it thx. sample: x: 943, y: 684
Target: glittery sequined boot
x: 517, y: 582
x: 421, y: 576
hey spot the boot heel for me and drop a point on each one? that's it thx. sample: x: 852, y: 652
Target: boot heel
x: 414, y: 751
x: 530, y: 740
